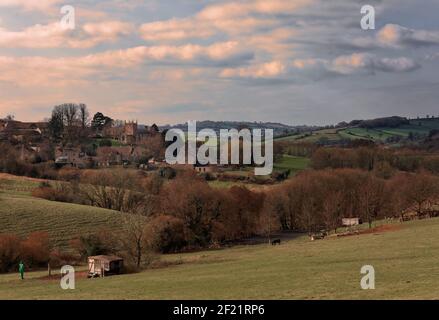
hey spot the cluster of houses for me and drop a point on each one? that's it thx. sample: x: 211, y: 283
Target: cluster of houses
x: 130, y: 133
x: 105, y: 156
x: 29, y: 136
x: 132, y: 144
x: 132, y: 141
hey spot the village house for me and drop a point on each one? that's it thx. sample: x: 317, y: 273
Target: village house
x: 109, y: 156
x: 72, y: 156
x: 30, y: 132
x: 130, y: 133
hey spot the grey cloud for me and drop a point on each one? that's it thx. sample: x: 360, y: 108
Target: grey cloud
x: 396, y: 36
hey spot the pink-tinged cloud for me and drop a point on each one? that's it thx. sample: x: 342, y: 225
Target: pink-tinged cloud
x: 265, y: 70
x: 55, y: 36
x: 28, y: 5
x: 64, y: 71
x: 237, y: 9
x: 363, y: 62
x: 233, y: 18
x: 398, y: 37
x: 108, y: 29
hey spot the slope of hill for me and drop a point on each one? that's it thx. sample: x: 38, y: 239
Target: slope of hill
x: 279, y: 129
x: 403, y: 256
x: 22, y: 214
x: 416, y: 129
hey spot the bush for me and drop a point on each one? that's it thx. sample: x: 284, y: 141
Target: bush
x: 61, y: 193
x: 168, y: 234
x: 35, y: 250
x: 47, y: 193
x: 59, y: 258
x: 69, y: 174
x: 102, y: 242
x: 9, y: 252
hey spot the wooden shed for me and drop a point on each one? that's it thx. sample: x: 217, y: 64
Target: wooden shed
x: 100, y: 266
x: 350, y: 222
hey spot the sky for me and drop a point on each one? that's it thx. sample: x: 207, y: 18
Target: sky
x: 170, y: 61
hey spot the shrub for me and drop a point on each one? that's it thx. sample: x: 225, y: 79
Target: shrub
x: 47, y: 193
x: 35, y: 250
x: 60, y: 258
x: 69, y: 174
x: 167, y: 234
x: 62, y: 192
x: 102, y: 242
x: 9, y: 252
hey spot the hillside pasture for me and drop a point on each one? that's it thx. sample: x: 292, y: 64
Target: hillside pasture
x: 379, y: 134
x: 22, y: 214
x: 404, y: 258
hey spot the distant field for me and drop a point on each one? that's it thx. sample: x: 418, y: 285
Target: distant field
x: 405, y: 261
x: 295, y: 164
x: 416, y: 126
x: 286, y: 162
x: 14, y: 184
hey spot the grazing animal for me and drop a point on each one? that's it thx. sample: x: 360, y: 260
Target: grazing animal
x: 275, y: 242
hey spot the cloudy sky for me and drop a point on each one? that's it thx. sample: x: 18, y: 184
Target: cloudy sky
x: 169, y: 61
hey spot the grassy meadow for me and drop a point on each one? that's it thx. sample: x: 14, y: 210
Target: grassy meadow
x: 21, y: 214
x: 404, y: 257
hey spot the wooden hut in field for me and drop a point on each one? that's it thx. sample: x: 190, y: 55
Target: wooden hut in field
x: 350, y: 222
x: 102, y: 265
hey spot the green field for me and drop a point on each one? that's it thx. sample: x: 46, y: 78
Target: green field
x: 286, y: 162
x: 416, y: 126
x: 292, y: 163
x: 405, y: 262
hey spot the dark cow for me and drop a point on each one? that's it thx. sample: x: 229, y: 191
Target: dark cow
x: 275, y: 242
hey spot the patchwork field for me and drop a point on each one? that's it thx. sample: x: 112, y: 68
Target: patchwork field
x: 286, y: 162
x: 404, y: 257
x: 416, y: 126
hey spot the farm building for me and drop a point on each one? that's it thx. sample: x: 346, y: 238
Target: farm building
x: 104, y: 265
x: 349, y: 222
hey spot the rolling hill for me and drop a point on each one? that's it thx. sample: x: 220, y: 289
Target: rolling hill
x: 403, y: 256
x: 417, y: 128
x: 22, y: 214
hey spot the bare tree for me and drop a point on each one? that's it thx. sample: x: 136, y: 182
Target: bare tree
x: 135, y: 241
x: 371, y: 196
x: 274, y: 208
x: 421, y: 189
x: 113, y: 189
x: 84, y: 115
